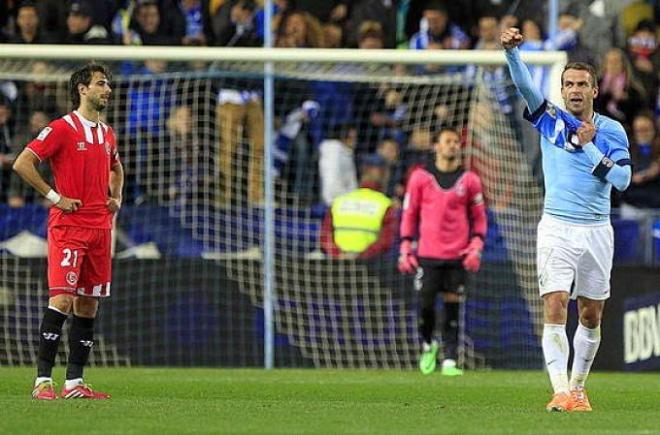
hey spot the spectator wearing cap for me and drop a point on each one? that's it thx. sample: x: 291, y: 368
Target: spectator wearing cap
x: 27, y: 26
x: 361, y: 223
x: 81, y: 28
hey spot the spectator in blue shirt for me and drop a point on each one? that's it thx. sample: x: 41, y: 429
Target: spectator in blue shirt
x: 436, y: 27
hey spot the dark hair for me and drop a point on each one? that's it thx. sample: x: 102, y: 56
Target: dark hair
x: 80, y: 7
x: 645, y: 114
x: 436, y: 136
x: 436, y: 5
x: 83, y: 76
x: 25, y: 4
x: 645, y: 25
x: 339, y: 130
x: 249, y: 5
x: 581, y: 66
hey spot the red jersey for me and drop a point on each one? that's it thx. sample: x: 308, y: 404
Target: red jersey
x: 81, y: 153
x: 444, y: 219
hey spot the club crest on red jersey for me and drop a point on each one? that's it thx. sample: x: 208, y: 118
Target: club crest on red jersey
x: 72, y: 278
x: 80, y: 146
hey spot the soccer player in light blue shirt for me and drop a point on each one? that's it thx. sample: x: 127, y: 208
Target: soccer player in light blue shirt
x: 584, y: 155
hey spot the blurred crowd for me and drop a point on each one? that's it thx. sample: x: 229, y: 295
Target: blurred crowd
x: 620, y: 37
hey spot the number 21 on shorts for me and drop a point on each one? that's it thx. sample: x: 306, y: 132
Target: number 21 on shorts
x: 69, y: 255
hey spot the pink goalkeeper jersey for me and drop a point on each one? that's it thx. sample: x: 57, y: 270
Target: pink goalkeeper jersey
x: 443, y: 219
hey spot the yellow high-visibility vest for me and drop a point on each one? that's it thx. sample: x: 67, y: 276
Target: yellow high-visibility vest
x: 357, y: 218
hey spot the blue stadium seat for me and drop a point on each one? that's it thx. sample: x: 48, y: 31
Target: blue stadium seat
x: 626, y: 240
x: 31, y: 217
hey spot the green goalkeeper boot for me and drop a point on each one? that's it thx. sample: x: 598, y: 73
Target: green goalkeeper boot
x: 429, y: 357
x: 449, y: 368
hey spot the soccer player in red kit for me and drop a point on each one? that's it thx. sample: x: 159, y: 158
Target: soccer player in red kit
x: 88, y: 176
x: 444, y: 211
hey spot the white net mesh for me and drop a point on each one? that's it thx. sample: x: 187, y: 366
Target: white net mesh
x: 188, y: 275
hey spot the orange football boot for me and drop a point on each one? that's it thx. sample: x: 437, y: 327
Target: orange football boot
x: 580, y: 401
x: 561, y: 402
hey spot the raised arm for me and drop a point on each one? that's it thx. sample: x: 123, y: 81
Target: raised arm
x: 511, y: 39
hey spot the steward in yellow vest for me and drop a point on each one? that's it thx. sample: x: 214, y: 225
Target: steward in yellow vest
x: 357, y: 218
x: 361, y: 223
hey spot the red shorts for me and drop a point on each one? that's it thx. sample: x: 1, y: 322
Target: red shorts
x: 79, y: 261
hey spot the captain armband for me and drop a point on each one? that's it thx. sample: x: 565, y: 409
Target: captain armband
x: 606, y: 164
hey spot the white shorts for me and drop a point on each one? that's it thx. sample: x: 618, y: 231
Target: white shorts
x: 574, y: 258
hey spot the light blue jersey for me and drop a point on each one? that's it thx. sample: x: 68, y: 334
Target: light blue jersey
x: 572, y: 190
x: 578, y: 180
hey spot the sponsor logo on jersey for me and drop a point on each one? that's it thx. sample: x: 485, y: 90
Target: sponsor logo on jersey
x: 44, y: 133
x: 551, y: 109
x: 87, y: 343
x: 72, y: 278
x: 559, y: 128
x: 50, y: 336
x: 460, y: 189
x: 572, y: 142
x: 80, y: 146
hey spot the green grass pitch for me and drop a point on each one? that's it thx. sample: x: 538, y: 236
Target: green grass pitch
x: 181, y: 401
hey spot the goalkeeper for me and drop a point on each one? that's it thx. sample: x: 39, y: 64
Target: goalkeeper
x: 444, y: 211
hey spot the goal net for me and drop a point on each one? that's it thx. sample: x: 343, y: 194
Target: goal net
x: 188, y: 279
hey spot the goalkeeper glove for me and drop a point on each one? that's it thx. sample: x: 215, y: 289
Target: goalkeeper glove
x: 407, y: 259
x: 472, y: 255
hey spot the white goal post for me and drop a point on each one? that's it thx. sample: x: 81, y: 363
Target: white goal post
x: 556, y: 60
